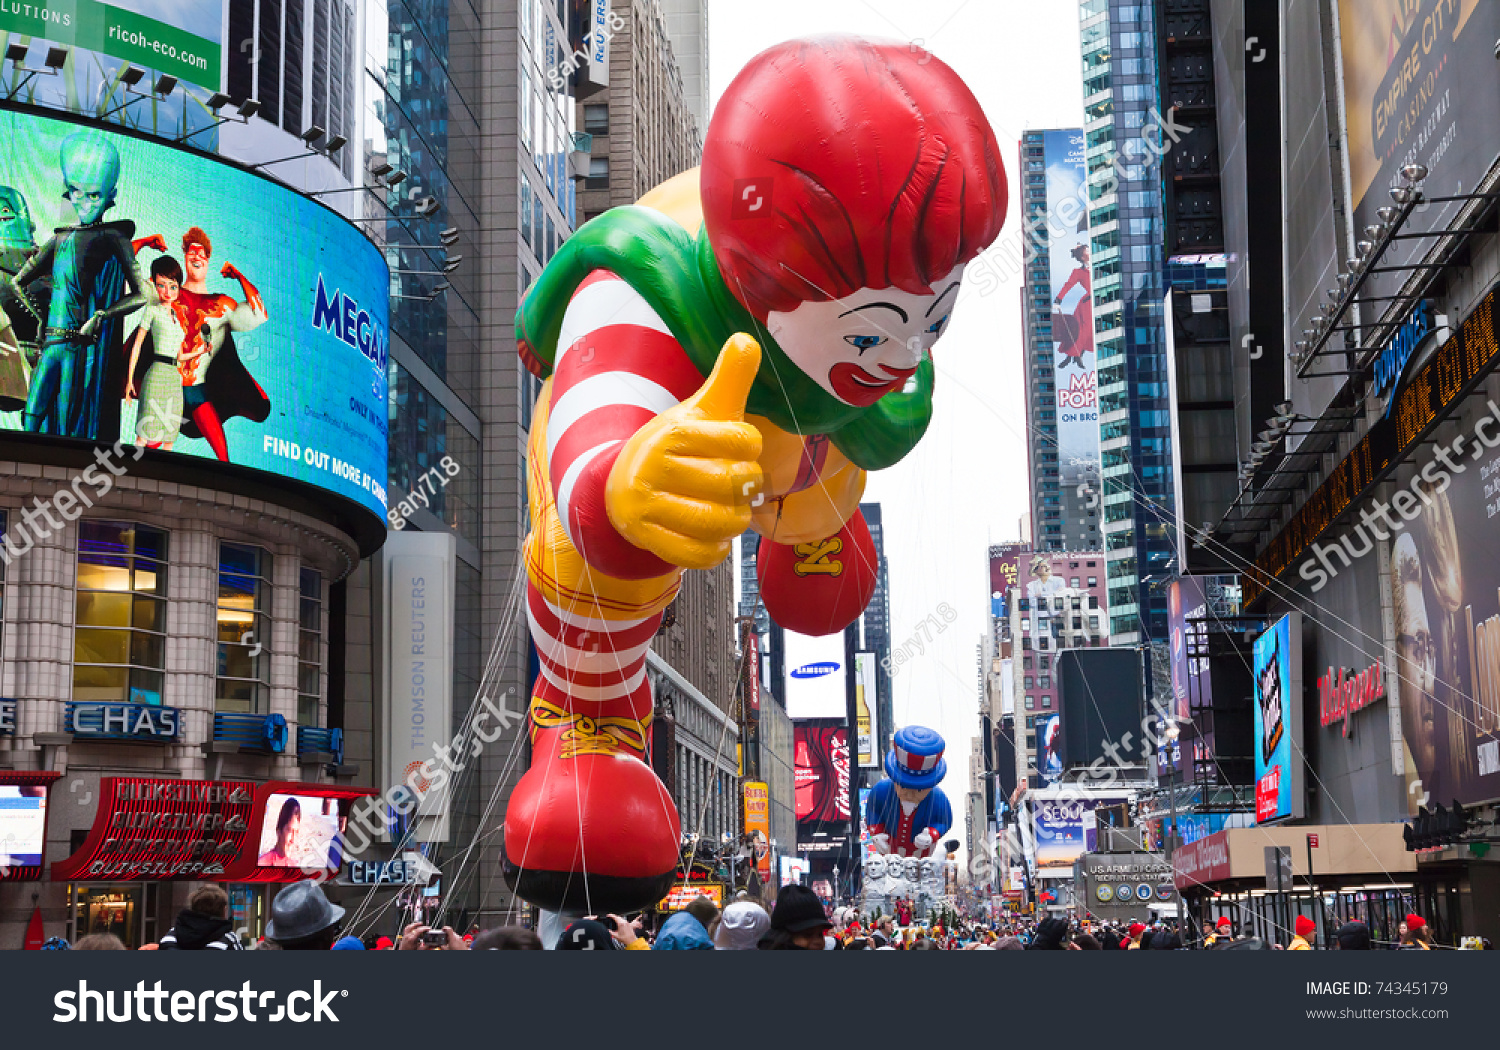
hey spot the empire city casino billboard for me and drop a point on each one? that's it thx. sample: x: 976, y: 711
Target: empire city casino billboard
x: 1072, y: 293
x: 158, y: 298
x: 1420, y: 82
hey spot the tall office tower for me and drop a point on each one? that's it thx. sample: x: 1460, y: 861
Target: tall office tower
x: 1062, y: 404
x: 687, y: 28
x: 1125, y: 134
x: 643, y: 133
x: 877, y: 627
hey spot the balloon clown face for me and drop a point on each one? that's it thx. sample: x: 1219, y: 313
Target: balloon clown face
x: 866, y: 345
x: 846, y: 185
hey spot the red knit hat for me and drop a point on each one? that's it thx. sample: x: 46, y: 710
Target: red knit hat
x: 1137, y: 928
x: 1415, y: 922
x: 1223, y: 923
x: 1305, y: 926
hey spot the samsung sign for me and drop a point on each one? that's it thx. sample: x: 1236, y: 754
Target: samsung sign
x: 815, y: 670
x: 1391, y: 363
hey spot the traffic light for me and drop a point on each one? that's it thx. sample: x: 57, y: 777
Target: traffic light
x: 1444, y: 827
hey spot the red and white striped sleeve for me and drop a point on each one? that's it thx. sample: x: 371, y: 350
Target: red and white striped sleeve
x: 617, y: 367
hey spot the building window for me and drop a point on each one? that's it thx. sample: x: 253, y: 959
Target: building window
x: 596, y: 119
x: 1047, y: 701
x: 1030, y: 704
x: 1045, y: 682
x: 1029, y: 682
x: 598, y: 178
x: 310, y: 647
x: 119, y: 642
x: 244, y: 629
x: 1093, y: 581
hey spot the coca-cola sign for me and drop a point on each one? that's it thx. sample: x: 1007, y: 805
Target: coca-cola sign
x: 1341, y: 693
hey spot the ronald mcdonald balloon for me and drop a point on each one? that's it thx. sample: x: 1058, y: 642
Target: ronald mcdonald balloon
x: 734, y: 351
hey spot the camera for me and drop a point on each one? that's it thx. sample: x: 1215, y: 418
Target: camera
x: 437, y: 938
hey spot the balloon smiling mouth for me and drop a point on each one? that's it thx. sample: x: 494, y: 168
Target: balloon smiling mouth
x: 856, y: 386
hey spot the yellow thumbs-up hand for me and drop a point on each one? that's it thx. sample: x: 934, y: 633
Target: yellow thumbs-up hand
x: 684, y: 484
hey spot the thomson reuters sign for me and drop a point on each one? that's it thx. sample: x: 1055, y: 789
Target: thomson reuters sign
x: 1343, y: 693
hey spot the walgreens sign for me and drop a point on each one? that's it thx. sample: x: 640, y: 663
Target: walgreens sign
x: 1341, y: 693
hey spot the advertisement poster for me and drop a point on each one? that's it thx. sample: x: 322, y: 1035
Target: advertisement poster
x: 1278, y: 721
x: 300, y: 832
x: 821, y: 768
x: 178, y: 38
x: 866, y: 710
x: 1187, y: 610
x: 758, y: 824
x: 1005, y: 570
x: 1445, y: 581
x: 815, y: 675
x: 23, y: 823
x: 1048, y: 748
x: 1058, y: 827
x: 793, y: 870
x: 241, y: 322
x: 1420, y: 83
x: 1071, y: 287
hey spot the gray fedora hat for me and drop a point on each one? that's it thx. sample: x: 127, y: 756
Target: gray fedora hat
x: 300, y: 911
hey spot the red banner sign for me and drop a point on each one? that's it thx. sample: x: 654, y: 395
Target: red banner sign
x: 1341, y: 695
x: 1201, y: 862
x: 200, y: 829
x: 1268, y: 795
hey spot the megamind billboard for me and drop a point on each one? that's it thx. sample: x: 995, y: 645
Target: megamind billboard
x: 1072, y: 293
x: 157, y: 298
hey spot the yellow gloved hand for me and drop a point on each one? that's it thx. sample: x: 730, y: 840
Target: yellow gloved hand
x: 683, y: 485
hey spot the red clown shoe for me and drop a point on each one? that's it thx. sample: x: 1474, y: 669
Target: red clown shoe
x: 590, y: 803
x: 821, y: 587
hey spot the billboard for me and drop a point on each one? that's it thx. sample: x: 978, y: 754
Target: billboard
x: 419, y: 596
x: 1072, y: 294
x: 821, y: 768
x: 1101, y: 694
x: 1048, y: 748
x: 178, y: 38
x: 867, y: 711
x: 758, y: 825
x: 815, y: 674
x: 1187, y: 611
x: 1420, y: 82
x: 199, y: 310
x: 23, y: 826
x: 1445, y: 584
x: 1005, y: 570
x: 1278, y: 721
x: 1058, y: 826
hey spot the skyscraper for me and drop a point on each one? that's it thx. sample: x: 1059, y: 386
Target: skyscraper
x: 1062, y: 405
x: 1125, y: 135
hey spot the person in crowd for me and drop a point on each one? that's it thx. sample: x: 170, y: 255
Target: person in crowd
x: 204, y: 924
x: 588, y: 935
x: 741, y: 927
x: 1417, y: 937
x: 629, y: 935
x: 1086, y: 942
x: 507, y: 938
x: 349, y: 944
x: 1223, y: 930
x: 414, y: 939
x: 1009, y: 943
x: 885, y: 930
x: 1401, y: 931
x: 797, y: 922
x: 100, y: 942
x: 1306, y: 932
x: 303, y: 919
x: 1165, y: 941
x: 1353, y: 937
x: 1137, y: 931
x: 688, y: 929
x: 1050, y: 933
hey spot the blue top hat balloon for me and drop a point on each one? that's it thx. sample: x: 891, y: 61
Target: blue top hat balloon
x: 916, y: 758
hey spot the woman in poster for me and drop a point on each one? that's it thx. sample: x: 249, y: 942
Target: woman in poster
x: 1073, y: 319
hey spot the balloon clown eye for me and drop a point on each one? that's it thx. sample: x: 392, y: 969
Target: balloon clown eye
x: 864, y: 342
x: 937, y: 326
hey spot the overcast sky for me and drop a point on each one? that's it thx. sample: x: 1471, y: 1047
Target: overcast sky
x: 965, y: 486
